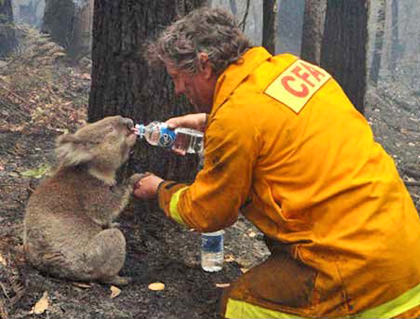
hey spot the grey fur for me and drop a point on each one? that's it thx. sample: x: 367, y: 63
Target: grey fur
x: 68, y: 226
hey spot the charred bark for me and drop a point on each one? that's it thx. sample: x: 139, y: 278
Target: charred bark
x: 81, y: 36
x: 269, y: 25
x: 313, y: 30
x: 8, y: 41
x: 242, y: 24
x: 343, y: 51
x: 58, y: 20
x: 123, y: 83
x: 379, y: 42
x: 233, y: 7
x: 69, y: 24
x: 289, y: 25
x: 395, y: 43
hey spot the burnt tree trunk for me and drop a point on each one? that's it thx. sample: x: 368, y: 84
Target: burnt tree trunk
x: 289, y: 25
x: 69, y: 24
x: 269, y: 25
x: 379, y: 43
x: 395, y: 42
x: 123, y: 83
x: 80, y: 44
x: 313, y: 30
x: 8, y: 41
x: 58, y: 20
x: 233, y: 7
x: 28, y: 11
x: 344, y: 44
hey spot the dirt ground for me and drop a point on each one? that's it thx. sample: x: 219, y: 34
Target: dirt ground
x: 42, y: 96
x: 158, y: 250
x: 39, y: 100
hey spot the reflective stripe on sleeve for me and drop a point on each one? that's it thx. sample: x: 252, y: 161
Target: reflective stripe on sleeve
x: 173, y: 206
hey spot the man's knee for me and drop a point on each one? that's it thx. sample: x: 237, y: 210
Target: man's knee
x: 279, y: 283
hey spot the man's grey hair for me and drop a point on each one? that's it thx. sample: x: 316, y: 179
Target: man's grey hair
x: 213, y: 31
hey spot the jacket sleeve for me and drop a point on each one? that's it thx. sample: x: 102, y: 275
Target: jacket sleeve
x: 212, y: 202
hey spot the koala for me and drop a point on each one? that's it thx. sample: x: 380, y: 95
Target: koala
x: 68, y: 224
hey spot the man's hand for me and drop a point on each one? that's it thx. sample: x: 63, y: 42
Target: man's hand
x: 147, y: 187
x: 197, y: 121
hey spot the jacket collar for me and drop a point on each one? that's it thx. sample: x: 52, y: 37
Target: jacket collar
x: 230, y: 79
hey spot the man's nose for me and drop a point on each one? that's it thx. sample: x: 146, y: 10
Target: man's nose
x: 179, y: 88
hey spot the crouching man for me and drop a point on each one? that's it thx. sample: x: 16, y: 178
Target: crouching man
x: 285, y: 147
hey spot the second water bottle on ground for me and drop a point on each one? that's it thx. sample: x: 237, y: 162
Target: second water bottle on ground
x: 212, y: 251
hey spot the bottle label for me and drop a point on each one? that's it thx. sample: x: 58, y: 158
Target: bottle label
x: 167, y: 137
x: 212, y: 244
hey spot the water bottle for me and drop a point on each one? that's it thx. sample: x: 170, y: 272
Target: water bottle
x: 181, y: 138
x: 212, y: 251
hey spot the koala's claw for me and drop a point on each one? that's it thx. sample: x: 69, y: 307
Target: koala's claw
x: 135, y: 178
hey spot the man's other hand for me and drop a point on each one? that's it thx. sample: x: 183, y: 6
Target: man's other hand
x: 146, y: 188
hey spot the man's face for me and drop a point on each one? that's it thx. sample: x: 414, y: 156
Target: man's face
x: 197, y: 87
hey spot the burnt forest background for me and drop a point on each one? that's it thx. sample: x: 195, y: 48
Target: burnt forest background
x: 67, y: 62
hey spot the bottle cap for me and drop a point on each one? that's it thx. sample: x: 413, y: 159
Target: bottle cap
x: 141, y: 129
x: 215, y: 233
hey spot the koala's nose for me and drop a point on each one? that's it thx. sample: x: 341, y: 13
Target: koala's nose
x: 128, y: 122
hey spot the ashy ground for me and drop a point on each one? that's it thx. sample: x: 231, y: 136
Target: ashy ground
x: 42, y: 96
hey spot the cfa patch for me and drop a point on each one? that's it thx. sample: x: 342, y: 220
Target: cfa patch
x: 297, y: 84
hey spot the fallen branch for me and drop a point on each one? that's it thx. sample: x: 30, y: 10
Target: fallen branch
x: 4, y: 290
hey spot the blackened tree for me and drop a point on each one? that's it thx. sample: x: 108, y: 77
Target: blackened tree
x: 123, y: 83
x: 8, y: 40
x: 344, y: 51
x: 69, y: 24
x: 379, y: 42
x: 313, y: 30
x: 269, y: 25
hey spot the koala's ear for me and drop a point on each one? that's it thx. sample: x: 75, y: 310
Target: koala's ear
x: 72, y: 151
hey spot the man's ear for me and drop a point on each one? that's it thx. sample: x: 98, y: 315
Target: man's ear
x: 204, y: 65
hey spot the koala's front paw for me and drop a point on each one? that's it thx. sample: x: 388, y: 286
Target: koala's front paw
x: 135, y: 178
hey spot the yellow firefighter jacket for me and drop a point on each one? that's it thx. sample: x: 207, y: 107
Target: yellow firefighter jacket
x: 285, y: 147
